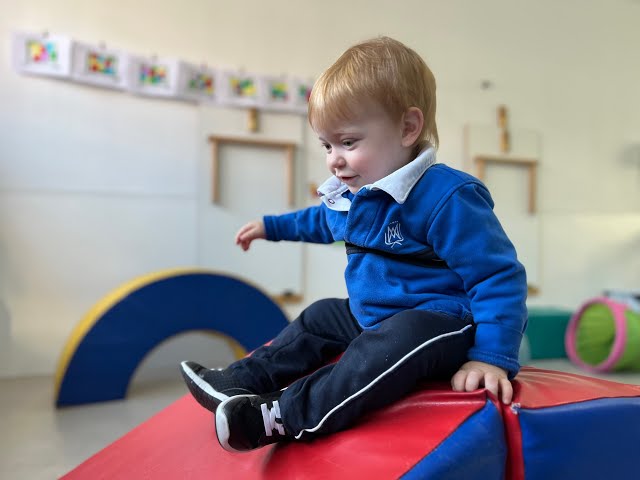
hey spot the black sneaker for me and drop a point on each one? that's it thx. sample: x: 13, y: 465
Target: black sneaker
x: 246, y: 422
x: 210, y: 387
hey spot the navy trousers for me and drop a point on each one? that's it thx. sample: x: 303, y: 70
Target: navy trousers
x: 377, y: 367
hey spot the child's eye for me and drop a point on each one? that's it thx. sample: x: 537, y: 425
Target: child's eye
x: 348, y: 143
x: 326, y: 147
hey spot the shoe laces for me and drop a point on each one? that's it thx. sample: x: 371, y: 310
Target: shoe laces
x: 271, y: 418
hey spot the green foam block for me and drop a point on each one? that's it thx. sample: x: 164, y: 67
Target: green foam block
x: 545, y: 332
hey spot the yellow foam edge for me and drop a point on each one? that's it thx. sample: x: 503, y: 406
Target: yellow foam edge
x: 101, y: 307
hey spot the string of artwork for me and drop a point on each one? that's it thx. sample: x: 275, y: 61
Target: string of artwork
x: 64, y: 58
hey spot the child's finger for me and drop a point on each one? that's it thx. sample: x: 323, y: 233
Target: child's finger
x: 458, y: 380
x: 507, y: 391
x: 474, y: 378
x: 491, y: 383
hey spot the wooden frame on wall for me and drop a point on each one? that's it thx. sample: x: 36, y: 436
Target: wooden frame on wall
x: 530, y: 164
x: 287, y: 147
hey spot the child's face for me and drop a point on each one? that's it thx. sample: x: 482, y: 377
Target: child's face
x: 365, y: 148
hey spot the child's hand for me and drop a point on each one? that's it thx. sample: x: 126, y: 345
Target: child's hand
x: 249, y: 233
x: 473, y: 375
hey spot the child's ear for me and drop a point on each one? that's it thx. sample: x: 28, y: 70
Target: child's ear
x: 412, y: 122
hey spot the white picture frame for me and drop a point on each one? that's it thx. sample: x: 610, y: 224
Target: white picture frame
x: 301, y: 92
x: 285, y: 94
x: 42, y: 54
x: 240, y: 89
x: 99, y: 66
x: 198, y: 83
x: 153, y: 77
x: 277, y: 93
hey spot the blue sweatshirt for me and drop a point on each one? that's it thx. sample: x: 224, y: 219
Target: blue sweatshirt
x: 435, y: 210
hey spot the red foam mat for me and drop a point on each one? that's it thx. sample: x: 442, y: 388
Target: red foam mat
x: 180, y: 443
x: 538, y: 388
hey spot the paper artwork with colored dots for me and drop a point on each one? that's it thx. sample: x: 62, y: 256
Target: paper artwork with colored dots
x: 303, y: 92
x: 240, y: 89
x: 197, y: 83
x: 43, y: 54
x: 284, y: 93
x: 62, y: 57
x: 153, y: 77
x: 99, y: 66
x: 277, y: 93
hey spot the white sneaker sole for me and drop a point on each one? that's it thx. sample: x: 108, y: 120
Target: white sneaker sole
x: 222, y: 426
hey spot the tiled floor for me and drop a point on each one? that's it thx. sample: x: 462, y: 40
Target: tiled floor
x: 39, y: 442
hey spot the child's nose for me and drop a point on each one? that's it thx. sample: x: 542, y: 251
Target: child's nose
x: 335, y: 160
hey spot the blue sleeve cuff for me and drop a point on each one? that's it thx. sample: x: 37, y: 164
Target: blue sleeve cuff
x: 270, y: 228
x: 497, y: 345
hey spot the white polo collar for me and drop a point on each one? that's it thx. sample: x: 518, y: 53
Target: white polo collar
x: 398, y: 184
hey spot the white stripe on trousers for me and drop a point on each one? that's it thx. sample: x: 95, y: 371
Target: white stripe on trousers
x: 379, y: 377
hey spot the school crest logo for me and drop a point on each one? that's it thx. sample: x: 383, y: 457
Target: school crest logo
x: 393, y: 235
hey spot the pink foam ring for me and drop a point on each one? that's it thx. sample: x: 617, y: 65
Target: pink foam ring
x: 619, y: 342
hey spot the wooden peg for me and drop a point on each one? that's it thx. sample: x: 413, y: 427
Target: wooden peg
x: 505, y: 138
x: 505, y: 143
x: 252, y: 120
x: 502, y: 116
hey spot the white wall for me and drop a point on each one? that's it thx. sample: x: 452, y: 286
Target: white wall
x: 98, y: 187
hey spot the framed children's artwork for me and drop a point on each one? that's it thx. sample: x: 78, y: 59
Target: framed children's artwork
x: 99, y: 66
x: 60, y: 56
x: 198, y: 83
x: 301, y: 94
x: 285, y: 94
x: 42, y: 54
x: 277, y: 92
x: 241, y: 89
x: 153, y: 77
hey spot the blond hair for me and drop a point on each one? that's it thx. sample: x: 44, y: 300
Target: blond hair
x: 382, y: 70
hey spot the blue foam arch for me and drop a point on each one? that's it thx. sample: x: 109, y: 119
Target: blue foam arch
x: 107, y: 346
